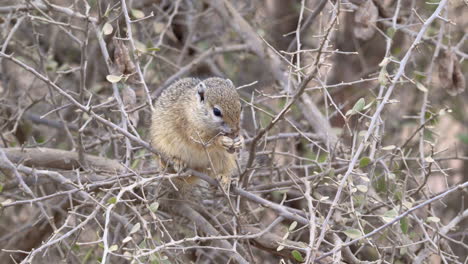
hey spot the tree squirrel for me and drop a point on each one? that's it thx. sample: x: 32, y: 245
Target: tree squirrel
x: 196, y: 125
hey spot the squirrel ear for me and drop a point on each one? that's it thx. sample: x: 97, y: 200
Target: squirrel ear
x: 201, y: 88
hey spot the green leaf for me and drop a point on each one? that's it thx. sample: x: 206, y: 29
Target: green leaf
x: 154, y: 207
x: 404, y: 225
x: 1, y: 188
x: 297, y: 255
x: 153, y: 49
x: 358, y: 106
x: 137, y: 14
x: 112, y: 200
x: 364, y: 162
x: 353, y: 233
x: 389, y: 215
x: 135, y: 228
x: 113, y: 248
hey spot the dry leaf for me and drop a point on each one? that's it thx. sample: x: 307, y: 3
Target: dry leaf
x: 113, y: 78
x: 365, y: 20
x: 123, y: 62
x: 451, y: 78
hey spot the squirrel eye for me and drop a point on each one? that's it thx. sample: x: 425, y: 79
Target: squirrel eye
x: 216, y: 111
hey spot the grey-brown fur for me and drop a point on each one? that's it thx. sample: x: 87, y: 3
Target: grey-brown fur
x: 187, y: 132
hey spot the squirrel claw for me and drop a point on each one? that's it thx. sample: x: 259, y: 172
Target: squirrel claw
x: 232, y: 144
x: 178, y: 165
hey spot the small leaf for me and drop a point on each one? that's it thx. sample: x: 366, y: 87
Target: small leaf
x: 154, y: 207
x: 359, y: 105
x: 158, y: 27
x: 108, y: 10
x: 429, y: 159
x: 140, y: 46
x: 137, y: 14
x: 128, y: 255
x: 353, y: 233
x: 107, y: 29
x: 391, y: 32
x: 113, y: 248
x: 421, y: 87
x: 362, y: 188
x: 383, y: 80
x: 297, y: 255
x: 279, y: 248
x: 1, y: 188
x: 6, y: 202
x: 368, y: 105
x: 135, y: 228
x: 404, y: 225
x: 153, y: 49
x: 127, y: 239
x: 364, y: 178
x: 364, y: 162
x: 113, y: 78
x: 433, y: 219
x: 407, y: 204
x: 324, y: 198
x: 286, y: 235
x: 389, y: 216
x: 292, y: 226
x: 112, y: 200
x: 389, y: 147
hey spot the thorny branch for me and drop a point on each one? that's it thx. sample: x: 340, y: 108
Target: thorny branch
x: 347, y: 159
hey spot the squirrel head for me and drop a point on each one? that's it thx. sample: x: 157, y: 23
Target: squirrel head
x: 219, y: 107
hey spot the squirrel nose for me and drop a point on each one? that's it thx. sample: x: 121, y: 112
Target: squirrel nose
x: 226, y: 129
x: 232, y: 133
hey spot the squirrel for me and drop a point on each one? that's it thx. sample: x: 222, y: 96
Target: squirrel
x: 196, y: 125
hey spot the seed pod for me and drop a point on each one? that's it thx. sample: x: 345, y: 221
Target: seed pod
x: 123, y: 63
x: 451, y: 78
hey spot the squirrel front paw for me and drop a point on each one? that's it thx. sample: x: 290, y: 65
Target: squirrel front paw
x: 231, y: 144
x: 178, y: 165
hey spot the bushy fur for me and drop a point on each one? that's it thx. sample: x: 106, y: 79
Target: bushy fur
x: 184, y: 128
